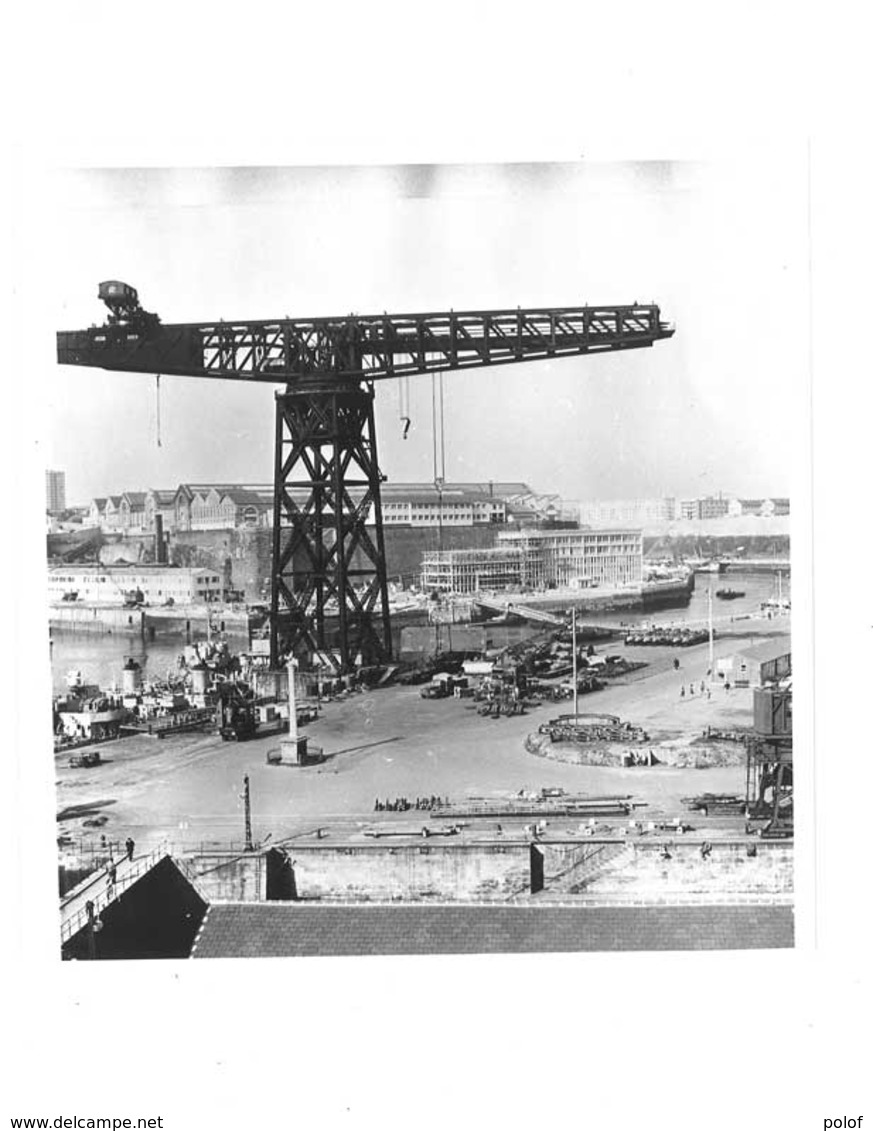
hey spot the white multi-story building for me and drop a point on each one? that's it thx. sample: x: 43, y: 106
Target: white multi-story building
x: 420, y: 504
x: 578, y: 558
x: 540, y: 559
x: 627, y: 512
x: 111, y: 585
x: 764, y: 508
x: 55, y: 492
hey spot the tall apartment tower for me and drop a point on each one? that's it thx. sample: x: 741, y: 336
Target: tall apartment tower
x: 55, y: 492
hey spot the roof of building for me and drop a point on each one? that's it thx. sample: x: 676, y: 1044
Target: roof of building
x: 192, y: 489
x: 493, y: 489
x: 135, y: 498
x: 100, y: 502
x: 162, y: 498
x: 563, y: 532
x: 433, y: 498
x: 244, y: 497
x: 251, y: 930
x: 122, y: 566
x: 768, y: 650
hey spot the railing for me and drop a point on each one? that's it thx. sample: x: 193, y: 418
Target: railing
x: 72, y: 924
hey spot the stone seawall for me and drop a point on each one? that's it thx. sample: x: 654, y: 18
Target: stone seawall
x: 728, y: 870
x: 495, y: 872
x: 415, y: 872
x: 96, y: 619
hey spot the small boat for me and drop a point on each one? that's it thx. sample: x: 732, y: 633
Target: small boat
x: 729, y: 594
x: 711, y: 567
x: 777, y: 603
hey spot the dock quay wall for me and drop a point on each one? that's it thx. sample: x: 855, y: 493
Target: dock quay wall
x: 642, y: 871
x: 222, y: 876
x: 187, y: 622
x: 417, y: 641
x: 191, y: 621
x: 614, y: 868
x: 415, y: 872
x: 96, y: 619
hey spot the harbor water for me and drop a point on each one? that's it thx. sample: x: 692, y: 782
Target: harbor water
x: 101, y: 658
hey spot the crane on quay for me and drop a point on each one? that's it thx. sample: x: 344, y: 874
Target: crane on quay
x: 328, y: 545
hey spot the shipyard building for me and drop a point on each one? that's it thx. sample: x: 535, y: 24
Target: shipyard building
x: 151, y: 585
x: 228, y: 506
x: 540, y: 559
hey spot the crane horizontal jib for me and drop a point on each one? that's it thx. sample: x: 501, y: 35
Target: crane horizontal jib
x: 359, y: 348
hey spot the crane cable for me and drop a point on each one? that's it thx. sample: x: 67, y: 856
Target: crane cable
x: 404, y: 405
x: 439, y: 444
x: 158, y: 406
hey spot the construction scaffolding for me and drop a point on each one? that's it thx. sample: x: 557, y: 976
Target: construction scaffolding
x: 471, y: 571
x: 577, y: 559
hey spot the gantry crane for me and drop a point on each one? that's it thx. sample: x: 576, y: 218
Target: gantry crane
x: 326, y: 562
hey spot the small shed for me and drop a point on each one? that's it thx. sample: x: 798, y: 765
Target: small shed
x: 763, y: 663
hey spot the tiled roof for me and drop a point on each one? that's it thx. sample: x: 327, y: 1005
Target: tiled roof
x: 243, y: 497
x: 431, y: 498
x: 496, y: 492
x: 255, y: 930
x: 768, y: 650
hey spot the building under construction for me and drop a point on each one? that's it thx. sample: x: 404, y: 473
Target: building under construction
x: 540, y: 559
x: 470, y: 571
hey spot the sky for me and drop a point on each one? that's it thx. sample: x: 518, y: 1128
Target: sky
x: 719, y: 245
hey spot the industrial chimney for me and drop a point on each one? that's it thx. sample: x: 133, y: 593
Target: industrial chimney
x: 160, y: 544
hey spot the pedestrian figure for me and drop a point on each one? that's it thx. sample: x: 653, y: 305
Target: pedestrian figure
x: 702, y: 687
x: 691, y: 689
x: 682, y: 692
x: 129, y: 845
x: 708, y: 693
x: 705, y: 850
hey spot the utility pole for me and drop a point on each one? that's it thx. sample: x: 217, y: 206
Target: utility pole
x: 711, y: 660
x: 575, y: 679
x: 248, y: 810
x: 292, y: 701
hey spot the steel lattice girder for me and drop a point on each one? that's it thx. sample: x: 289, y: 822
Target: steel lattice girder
x: 324, y: 557
x: 358, y: 347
